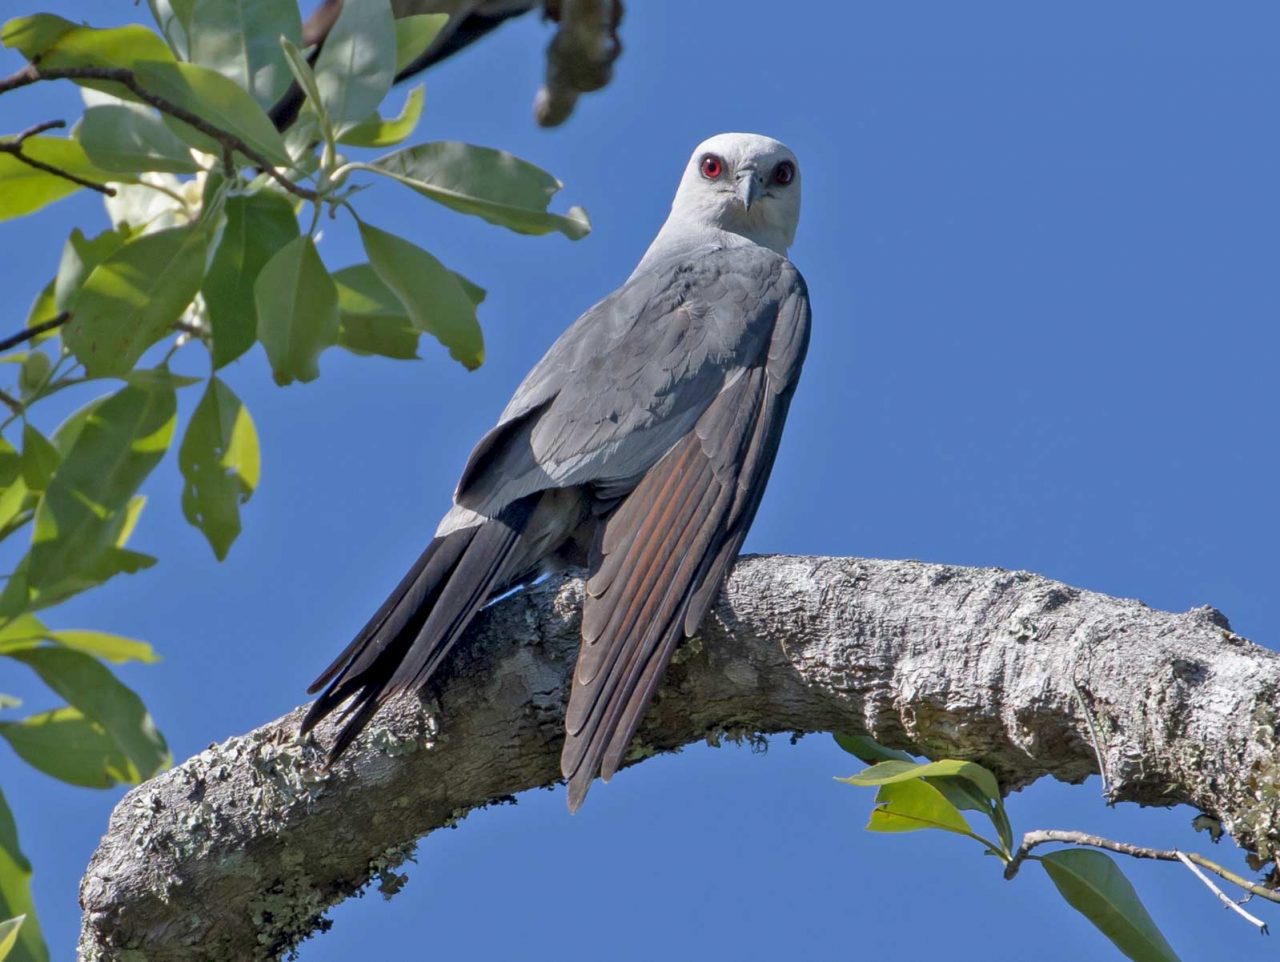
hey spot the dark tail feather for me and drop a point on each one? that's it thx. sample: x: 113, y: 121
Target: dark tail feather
x: 407, y: 638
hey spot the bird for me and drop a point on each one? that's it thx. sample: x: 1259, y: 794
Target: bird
x: 639, y: 447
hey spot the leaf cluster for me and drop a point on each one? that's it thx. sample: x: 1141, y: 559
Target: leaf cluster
x: 213, y: 245
x: 913, y: 795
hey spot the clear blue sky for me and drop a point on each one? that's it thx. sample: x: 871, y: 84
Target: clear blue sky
x: 1042, y: 245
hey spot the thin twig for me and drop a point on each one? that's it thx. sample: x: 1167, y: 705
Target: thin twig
x: 229, y: 141
x: 27, y: 75
x: 1222, y: 896
x: 39, y: 129
x: 35, y: 330
x: 1032, y: 839
x: 13, y: 147
x: 11, y: 402
x: 1093, y: 740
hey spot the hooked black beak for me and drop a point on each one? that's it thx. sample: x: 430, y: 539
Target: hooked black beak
x: 749, y: 188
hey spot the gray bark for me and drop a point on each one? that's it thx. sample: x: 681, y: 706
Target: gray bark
x: 236, y: 853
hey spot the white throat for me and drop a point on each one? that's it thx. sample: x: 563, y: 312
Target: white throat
x: 680, y: 234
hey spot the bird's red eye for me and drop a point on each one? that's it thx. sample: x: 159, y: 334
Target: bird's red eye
x: 712, y: 167
x: 784, y: 173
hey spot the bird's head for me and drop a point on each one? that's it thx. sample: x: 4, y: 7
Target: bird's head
x: 746, y: 184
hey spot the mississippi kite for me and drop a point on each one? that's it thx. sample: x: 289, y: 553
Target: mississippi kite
x: 639, y: 446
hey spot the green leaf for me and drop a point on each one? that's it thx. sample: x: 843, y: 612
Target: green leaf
x: 893, y: 771
x: 966, y: 796
x: 35, y: 371
x: 357, y: 63
x: 100, y: 644
x: 393, y: 337
x: 869, y: 750
x: 113, y: 560
x: 1094, y: 886
x: 42, y: 309
x: 80, y: 256
x: 489, y: 183
x: 128, y: 138
x: 58, y: 43
x: 16, y: 502
x: 86, y: 684
x: 914, y: 805
x: 373, y: 319
x: 376, y: 132
x: 71, y: 748
x: 133, y: 297
x: 24, y: 631
x: 220, y: 465
x: 9, y: 930
x: 172, y: 17
x: 24, y: 189
x: 89, y: 507
x: 297, y: 304
x: 9, y: 701
x: 28, y: 631
x: 32, y: 36
x: 15, y: 892
x: 214, y: 98
x: 431, y: 294
x: 414, y: 35
x: 240, y: 40
x: 258, y: 225
x: 306, y: 79
x: 40, y: 459
x: 10, y: 462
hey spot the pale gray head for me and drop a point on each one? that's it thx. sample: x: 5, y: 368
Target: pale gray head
x: 745, y: 184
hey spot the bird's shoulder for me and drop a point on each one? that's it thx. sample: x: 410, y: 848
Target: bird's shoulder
x: 732, y: 294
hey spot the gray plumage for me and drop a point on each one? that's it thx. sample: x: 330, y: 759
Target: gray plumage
x: 639, y: 445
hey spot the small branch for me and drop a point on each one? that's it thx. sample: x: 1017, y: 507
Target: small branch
x: 1093, y: 739
x: 35, y: 330
x: 11, y: 402
x: 13, y: 147
x: 1033, y: 839
x: 39, y: 129
x: 229, y: 141
x: 27, y: 75
x: 1222, y: 896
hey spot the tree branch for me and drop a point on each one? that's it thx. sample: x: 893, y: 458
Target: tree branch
x: 13, y: 147
x: 237, y: 852
x: 35, y: 330
x: 1033, y: 839
x: 230, y: 142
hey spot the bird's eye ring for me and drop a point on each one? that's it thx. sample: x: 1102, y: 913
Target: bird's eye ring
x: 784, y: 173
x: 712, y: 167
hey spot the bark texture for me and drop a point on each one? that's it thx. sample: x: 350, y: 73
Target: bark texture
x: 236, y: 853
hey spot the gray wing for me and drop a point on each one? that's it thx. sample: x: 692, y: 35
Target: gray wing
x: 661, y: 556
x: 631, y: 377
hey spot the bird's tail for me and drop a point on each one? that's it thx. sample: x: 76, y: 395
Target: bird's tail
x: 409, y: 635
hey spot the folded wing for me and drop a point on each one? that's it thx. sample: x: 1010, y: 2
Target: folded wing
x: 660, y: 558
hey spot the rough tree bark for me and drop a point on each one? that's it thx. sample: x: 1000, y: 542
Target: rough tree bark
x: 236, y: 853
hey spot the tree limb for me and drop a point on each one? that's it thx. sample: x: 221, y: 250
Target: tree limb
x: 13, y: 147
x: 237, y: 852
x: 229, y: 142
x: 34, y: 331
x: 1033, y: 839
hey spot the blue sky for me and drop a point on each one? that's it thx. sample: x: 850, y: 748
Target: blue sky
x: 1041, y: 246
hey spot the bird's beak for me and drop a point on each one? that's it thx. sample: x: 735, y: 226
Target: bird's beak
x: 749, y: 188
